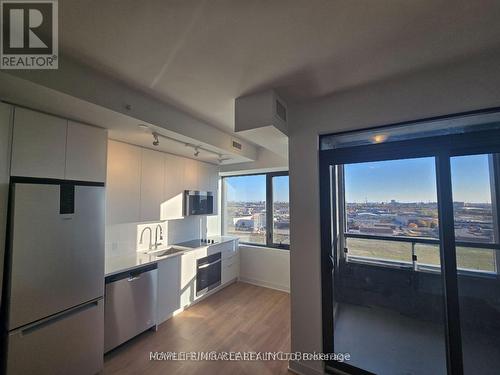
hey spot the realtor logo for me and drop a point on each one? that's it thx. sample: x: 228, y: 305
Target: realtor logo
x: 29, y: 34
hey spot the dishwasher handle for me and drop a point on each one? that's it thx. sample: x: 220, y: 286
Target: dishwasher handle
x: 131, y: 275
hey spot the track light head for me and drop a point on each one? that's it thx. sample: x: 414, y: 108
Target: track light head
x: 196, y: 151
x: 222, y: 159
x: 156, y: 140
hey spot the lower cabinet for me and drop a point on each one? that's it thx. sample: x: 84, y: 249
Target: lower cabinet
x: 168, y: 287
x: 230, y: 268
x: 177, y: 277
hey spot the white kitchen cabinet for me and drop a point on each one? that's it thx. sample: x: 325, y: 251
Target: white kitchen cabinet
x: 208, y: 175
x: 187, y: 291
x: 86, y: 153
x: 214, y: 179
x: 168, y: 287
x: 213, y: 185
x: 191, y: 171
x: 204, y: 171
x: 230, y: 268
x: 173, y: 187
x: 123, y: 190
x: 152, y: 184
x: 162, y: 179
x: 38, y: 145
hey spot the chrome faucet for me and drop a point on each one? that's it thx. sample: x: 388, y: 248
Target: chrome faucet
x: 158, y: 226
x: 150, y: 237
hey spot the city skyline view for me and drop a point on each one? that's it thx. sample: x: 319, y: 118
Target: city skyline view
x: 405, y: 181
x: 245, y: 208
x: 414, y: 180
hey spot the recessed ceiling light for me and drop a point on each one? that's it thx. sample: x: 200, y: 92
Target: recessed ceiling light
x: 143, y: 126
x: 379, y: 138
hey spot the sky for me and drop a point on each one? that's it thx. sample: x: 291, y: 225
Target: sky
x: 253, y: 188
x: 414, y: 180
x: 409, y: 180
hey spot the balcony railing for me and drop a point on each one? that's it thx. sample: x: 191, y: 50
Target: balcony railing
x: 420, y: 254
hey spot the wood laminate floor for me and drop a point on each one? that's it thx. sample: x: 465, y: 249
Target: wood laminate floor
x: 241, y: 317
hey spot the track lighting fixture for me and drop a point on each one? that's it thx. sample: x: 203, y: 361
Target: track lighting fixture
x: 156, y: 140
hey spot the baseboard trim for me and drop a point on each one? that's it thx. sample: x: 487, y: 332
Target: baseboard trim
x: 265, y: 284
x: 300, y: 368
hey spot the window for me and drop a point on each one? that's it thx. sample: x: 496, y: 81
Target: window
x: 250, y: 202
x: 391, y: 199
x: 473, y: 187
x: 390, y: 213
x: 281, y: 210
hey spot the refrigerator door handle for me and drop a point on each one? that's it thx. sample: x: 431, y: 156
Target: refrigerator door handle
x: 57, y: 317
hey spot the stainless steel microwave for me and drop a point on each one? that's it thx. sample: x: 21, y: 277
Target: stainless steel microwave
x: 198, y: 203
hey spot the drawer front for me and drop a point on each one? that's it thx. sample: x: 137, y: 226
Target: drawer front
x: 70, y: 343
x: 130, y: 308
x: 231, y: 258
x: 226, y: 249
x: 230, y: 269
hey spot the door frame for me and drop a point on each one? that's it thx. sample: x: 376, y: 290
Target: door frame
x: 442, y: 148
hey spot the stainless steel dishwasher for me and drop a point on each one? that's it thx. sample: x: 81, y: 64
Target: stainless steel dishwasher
x: 130, y: 305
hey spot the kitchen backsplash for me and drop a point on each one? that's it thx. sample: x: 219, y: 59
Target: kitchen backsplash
x: 122, y: 239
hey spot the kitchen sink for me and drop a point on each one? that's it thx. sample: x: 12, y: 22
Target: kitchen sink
x: 169, y: 251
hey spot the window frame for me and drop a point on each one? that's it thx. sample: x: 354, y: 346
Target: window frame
x: 269, y: 208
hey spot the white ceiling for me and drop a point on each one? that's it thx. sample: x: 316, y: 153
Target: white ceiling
x: 201, y: 54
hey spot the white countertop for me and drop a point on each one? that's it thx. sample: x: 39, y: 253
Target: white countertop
x: 129, y: 262
x: 122, y: 263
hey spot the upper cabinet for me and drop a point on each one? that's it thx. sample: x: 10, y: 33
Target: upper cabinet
x: 38, y: 145
x: 152, y: 182
x: 173, y: 187
x: 123, y: 190
x: 148, y: 185
x: 86, y: 153
x: 204, y: 171
x: 191, y: 174
x: 46, y: 146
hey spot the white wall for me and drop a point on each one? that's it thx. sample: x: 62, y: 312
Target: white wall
x: 5, y: 144
x: 462, y: 86
x: 265, y: 267
x: 266, y: 161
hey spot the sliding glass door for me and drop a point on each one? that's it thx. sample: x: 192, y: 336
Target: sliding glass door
x: 410, y: 253
x: 386, y: 306
x: 389, y: 297
x: 474, y: 190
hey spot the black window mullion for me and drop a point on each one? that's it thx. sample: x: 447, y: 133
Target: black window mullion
x: 327, y: 207
x: 449, y: 266
x: 269, y: 210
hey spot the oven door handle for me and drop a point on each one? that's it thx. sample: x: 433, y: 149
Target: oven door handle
x: 208, y: 264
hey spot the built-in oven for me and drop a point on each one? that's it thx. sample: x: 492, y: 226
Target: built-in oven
x: 208, y: 273
x: 198, y: 202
